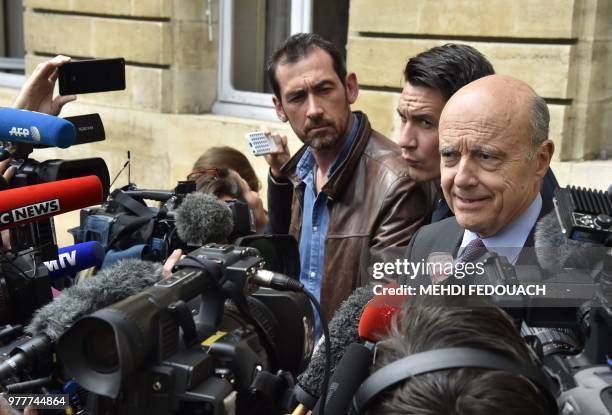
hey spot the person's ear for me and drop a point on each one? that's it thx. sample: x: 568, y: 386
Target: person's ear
x: 543, y: 157
x: 280, y: 112
x: 352, y: 87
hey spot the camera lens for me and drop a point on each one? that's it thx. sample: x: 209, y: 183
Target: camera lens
x: 100, y: 350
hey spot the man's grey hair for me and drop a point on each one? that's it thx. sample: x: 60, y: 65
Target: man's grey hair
x: 540, y: 119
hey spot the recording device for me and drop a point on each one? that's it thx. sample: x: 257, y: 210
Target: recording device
x: 203, y: 218
x: 25, y: 284
x: 578, y: 276
x: 32, y: 199
x: 343, y: 331
x: 94, y: 75
x: 21, y: 126
x: 32, y: 203
x: 74, y: 258
x: 585, y: 215
x: 22, y: 131
x: 37, y: 192
x: 24, y: 287
x: 125, y: 220
x: 184, y: 219
x: 354, y: 354
x: 581, y: 372
x: 259, y: 143
x: 32, y: 354
x: 150, y: 354
x: 88, y: 128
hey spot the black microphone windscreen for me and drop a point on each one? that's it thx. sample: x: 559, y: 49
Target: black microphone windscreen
x: 202, y: 218
x: 121, y: 280
x: 351, y: 370
x: 343, y: 330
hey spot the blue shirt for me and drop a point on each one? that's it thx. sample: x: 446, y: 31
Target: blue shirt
x: 315, y: 217
x: 510, y: 239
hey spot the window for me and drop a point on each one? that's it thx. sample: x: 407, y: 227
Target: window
x: 250, y: 31
x: 12, y: 49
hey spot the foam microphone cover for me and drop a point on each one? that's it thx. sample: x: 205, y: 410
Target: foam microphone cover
x: 342, y: 332
x: 74, y: 258
x: 554, y: 250
x: 353, y: 368
x: 375, y: 322
x: 202, y: 218
x: 39, y: 201
x: 124, y: 279
x: 31, y: 127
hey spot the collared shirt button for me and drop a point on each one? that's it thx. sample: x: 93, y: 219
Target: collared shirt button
x: 314, y: 228
x: 312, y: 274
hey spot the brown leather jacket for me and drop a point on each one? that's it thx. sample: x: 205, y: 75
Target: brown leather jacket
x: 374, y: 209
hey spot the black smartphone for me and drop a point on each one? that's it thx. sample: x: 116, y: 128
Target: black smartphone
x: 95, y: 75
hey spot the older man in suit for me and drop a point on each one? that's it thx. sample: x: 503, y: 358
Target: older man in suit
x: 494, y: 150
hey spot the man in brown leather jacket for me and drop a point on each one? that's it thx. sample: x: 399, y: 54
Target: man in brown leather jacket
x: 353, y: 201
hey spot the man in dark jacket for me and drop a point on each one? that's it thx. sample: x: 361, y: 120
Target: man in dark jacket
x: 495, y: 152
x: 431, y: 78
x: 353, y: 200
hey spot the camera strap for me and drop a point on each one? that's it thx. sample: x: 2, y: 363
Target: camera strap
x: 137, y: 217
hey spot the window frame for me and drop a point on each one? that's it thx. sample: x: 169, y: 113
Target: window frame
x: 10, y: 80
x: 231, y: 101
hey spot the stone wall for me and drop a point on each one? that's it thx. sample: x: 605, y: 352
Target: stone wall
x: 562, y: 48
x: 171, y: 63
x: 171, y: 73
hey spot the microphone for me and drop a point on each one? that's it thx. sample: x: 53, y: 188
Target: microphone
x: 554, y: 250
x: 202, y: 218
x: 30, y: 127
x: 40, y: 201
x: 354, y: 367
x: 342, y: 332
x: 375, y: 322
x: 74, y: 258
x: 109, y: 286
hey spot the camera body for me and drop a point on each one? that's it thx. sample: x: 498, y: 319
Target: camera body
x: 126, y: 221
x: 204, y: 340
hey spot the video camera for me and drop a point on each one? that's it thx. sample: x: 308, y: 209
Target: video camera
x: 125, y: 221
x: 571, y: 325
x: 150, y: 354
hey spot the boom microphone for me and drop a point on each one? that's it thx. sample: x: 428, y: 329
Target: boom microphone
x: 74, y: 258
x: 115, y: 283
x: 31, y: 203
x: 202, y: 218
x: 35, y: 128
x: 343, y: 331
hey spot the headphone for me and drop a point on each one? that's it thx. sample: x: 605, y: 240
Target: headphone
x: 443, y: 359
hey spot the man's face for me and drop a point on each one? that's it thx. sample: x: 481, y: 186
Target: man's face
x: 419, y: 109
x: 486, y: 177
x: 314, y: 100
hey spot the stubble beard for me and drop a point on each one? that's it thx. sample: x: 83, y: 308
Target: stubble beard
x: 322, y: 143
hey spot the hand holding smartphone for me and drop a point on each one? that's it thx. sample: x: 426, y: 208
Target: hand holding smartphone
x: 95, y: 75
